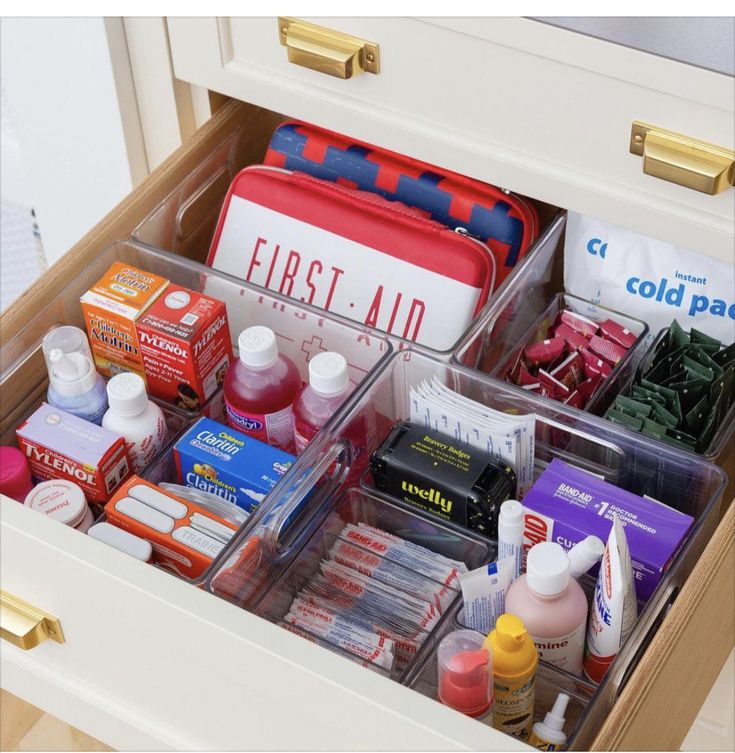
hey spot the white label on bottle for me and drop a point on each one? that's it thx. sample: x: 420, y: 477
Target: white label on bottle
x: 565, y: 651
x: 279, y: 426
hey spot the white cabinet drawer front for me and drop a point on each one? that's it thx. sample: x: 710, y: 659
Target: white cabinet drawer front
x: 177, y: 667
x: 541, y: 110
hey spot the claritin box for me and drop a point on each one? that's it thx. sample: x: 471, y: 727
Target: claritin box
x: 238, y: 468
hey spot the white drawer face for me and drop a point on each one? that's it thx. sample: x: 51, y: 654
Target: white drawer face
x: 150, y: 661
x: 541, y: 110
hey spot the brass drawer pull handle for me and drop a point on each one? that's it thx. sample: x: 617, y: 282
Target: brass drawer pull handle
x: 680, y: 159
x: 326, y: 50
x: 24, y: 625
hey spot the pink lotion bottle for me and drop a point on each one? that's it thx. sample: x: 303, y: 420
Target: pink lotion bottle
x: 552, y: 606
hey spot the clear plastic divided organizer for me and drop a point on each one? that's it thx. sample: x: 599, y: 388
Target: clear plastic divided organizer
x: 278, y: 552
x: 301, y: 332
x: 184, y: 222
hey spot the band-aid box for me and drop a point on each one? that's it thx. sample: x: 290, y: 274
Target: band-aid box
x: 111, y: 307
x: 185, y: 536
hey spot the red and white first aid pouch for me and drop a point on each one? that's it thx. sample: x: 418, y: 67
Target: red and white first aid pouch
x: 352, y: 253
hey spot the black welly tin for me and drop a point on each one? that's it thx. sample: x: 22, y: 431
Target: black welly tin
x: 437, y: 474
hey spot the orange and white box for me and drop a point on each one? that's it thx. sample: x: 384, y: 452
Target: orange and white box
x: 185, y: 536
x: 111, y: 307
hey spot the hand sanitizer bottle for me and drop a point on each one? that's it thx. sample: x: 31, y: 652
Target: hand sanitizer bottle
x: 74, y: 384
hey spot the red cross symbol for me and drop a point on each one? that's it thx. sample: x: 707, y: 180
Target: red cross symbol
x: 313, y: 347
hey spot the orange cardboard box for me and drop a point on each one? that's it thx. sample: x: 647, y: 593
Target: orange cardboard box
x: 185, y: 536
x: 111, y: 307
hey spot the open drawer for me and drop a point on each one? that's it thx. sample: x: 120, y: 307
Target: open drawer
x: 152, y: 662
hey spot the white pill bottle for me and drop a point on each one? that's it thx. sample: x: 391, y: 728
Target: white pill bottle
x: 140, y: 421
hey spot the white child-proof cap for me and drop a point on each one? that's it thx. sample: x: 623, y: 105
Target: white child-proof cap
x: 69, y: 361
x: 547, y: 569
x: 60, y: 499
x: 126, y: 394
x: 258, y: 347
x: 584, y: 555
x: 510, y: 520
x: 328, y: 374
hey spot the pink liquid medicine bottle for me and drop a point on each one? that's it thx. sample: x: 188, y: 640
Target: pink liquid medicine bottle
x: 552, y: 605
x: 260, y: 389
x: 329, y: 385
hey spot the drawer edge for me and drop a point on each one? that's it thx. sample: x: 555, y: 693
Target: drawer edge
x: 674, y: 666
x: 80, y: 710
x: 122, y: 219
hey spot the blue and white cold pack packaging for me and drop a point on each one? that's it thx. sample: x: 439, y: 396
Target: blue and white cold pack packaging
x: 238, y: 468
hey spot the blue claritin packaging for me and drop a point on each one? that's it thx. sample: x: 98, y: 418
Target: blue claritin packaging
x: 238, y: 468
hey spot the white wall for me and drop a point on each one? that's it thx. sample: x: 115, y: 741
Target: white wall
x: 68, y: 86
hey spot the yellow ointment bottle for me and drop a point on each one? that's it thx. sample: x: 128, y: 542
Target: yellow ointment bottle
x: 515, y: 659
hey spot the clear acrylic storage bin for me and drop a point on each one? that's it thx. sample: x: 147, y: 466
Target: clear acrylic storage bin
x: 269, y: 545
x: 184, y: 222
x: 301, y: 333
x: 359, y: 506
x: 550, y: 681
x: 539, y: 331
x: 721, y: 448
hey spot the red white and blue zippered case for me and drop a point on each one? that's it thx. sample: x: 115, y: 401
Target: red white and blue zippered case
x: 353, y: 253
x: 507, y: 223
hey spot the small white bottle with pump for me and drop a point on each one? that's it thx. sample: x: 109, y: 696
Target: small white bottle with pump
x: 139, y: 420
x: 549, y: 734
x: 584, y: 555
x: 74, y: 384
x: 510, y: 534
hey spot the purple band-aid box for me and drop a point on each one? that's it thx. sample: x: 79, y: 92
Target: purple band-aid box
x: 567, y: 504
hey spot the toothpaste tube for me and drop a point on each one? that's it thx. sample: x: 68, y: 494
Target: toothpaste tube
x: 614, y: 608
x: 380, y: 595
x: 389, y: 572
x: 483, y: 591
x: 567, y: 504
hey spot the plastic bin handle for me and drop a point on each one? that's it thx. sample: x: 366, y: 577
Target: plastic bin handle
x: 582, y: 434
x: 279, y: 519
x: 646, y: 628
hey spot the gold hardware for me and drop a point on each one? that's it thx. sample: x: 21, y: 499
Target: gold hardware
x: 680, y: 159
x: 326, y: 50
x: 24, y: 625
